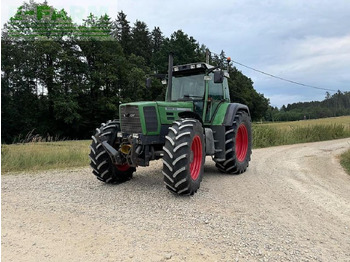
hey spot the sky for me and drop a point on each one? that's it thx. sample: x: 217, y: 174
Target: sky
x: 303, y: 41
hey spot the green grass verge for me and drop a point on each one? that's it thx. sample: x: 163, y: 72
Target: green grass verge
x: 43, y: 156
x: 345, y: 161
x: 68, y: 154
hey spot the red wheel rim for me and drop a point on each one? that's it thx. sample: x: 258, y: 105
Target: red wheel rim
x: 122, y: 167
x: 195, y: 165
x: 241, y: 143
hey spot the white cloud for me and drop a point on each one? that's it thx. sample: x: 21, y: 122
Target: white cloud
x: 305, y: 41
x: 316, y: 61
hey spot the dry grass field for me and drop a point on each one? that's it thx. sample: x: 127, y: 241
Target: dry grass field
x: 286, y: 133
x: 341, y: 120
x: 44, y: 155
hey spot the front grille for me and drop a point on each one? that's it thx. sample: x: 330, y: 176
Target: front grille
x: 151, y: 118
x: 130, y: 119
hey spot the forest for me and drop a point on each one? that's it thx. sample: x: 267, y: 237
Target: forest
x: 62, y: 79
x: 334, y: 105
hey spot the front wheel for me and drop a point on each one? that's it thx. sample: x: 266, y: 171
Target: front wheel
x: 101, y: 163
x: 238, y: 145
x: 184, y: 157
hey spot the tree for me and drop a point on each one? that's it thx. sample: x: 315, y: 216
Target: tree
x: 36, y: 34
x: 61, y: 78
x: 121, y: 32
x: 185, y: 50
x: 157, y: 39
x: 104, y: 64
x: 242, y: 91
x: 141, y: 41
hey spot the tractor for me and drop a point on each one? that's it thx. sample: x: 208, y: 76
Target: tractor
x: 196, y: 120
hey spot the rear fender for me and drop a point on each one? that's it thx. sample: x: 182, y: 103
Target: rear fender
x: 231, y: 112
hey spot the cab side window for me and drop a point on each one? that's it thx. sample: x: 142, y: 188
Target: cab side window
x: 215, y: 90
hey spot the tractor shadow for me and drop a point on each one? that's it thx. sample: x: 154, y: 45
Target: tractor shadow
x: 210, y: 170
x: 150, y: 181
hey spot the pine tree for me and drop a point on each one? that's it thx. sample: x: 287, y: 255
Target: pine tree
x: 121, y: 32
x: 141, y: 41
x: 157, y: 39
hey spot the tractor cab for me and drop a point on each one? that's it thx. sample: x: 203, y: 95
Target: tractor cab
x: 203, y: 84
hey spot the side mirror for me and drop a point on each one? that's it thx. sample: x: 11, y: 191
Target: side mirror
x: 148, y: 83
x: 218, y: 77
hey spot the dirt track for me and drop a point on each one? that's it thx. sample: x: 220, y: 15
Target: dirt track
x: 293, y: 204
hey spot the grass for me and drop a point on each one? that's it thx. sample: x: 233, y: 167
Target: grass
x: 68, y: 154
x: 44, y: 155
x: 345, y: 161
x: 342, y: 120
x: 286, y: 133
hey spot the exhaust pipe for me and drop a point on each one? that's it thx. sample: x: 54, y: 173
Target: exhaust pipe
x: 170, y: 75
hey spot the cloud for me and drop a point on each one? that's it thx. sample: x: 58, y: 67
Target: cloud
x: 305, y: 41
x: 280, y: 100
x: 316, y: 61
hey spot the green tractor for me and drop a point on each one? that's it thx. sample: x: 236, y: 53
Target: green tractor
x: 195, y: 120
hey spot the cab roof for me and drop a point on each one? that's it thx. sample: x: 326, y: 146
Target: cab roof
x: 192, y: 68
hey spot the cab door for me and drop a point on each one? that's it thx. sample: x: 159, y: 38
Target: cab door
x: 215, y: 97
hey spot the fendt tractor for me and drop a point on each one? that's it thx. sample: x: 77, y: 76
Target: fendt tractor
x: 195, y: 120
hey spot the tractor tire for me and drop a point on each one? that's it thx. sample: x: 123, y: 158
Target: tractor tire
x: 101, y: 163
x: 238, y: 145
x: 184, y: 156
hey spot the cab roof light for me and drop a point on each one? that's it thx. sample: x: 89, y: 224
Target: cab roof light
x: 191, y: 67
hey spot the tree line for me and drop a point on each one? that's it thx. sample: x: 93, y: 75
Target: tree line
x: 63, y: 79
x: 334, y: 105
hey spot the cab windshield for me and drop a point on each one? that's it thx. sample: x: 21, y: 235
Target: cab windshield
x: 189, y: 87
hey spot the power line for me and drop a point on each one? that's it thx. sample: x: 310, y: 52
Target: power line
x: 284, y: 79
x: 280, y: 78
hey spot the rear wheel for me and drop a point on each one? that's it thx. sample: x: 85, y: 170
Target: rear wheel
x: 184, y: 157
x: 238, y: 145
x: 101, y: 164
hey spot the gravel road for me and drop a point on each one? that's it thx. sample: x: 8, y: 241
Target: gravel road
x: 293, y: 204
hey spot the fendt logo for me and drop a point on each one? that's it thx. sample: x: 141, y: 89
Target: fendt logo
x: 129, y: 115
